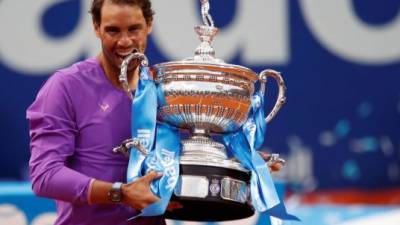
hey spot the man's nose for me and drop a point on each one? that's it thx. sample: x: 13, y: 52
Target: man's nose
x: 125, y: 41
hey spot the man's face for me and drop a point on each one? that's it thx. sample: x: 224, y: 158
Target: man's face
x: 122, y: 30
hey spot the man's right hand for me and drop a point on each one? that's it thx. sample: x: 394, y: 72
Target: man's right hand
x: 138, y: 194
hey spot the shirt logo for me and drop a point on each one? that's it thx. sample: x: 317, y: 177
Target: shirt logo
x: 104, y: 106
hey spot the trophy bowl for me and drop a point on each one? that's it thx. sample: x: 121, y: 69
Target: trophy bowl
x: 213, y: 97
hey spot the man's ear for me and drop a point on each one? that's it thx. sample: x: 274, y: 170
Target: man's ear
x: 96, y: 28
x: 149, y: 27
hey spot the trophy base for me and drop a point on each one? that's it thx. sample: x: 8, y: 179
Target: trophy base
x: 204, y: 210
x: 209, y: 193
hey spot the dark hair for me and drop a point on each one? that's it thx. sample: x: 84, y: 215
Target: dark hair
x: 145, y: 5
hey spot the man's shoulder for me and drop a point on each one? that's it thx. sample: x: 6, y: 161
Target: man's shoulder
x: 80, y: 68
x: 80, y: 73
x: 76, y: 77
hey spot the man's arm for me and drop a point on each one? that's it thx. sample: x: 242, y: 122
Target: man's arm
x: 52, y: 141
x: 53, y: 131
x: 136, y: 194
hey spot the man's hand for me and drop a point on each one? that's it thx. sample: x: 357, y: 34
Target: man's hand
x: 138, y: 194
x: 274, y: 164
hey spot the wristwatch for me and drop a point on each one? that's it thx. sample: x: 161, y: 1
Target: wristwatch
x: 115, y: 194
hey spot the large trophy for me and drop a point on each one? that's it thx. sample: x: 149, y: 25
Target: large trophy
x: 205, y: 96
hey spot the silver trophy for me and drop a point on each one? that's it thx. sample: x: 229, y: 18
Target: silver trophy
x: 207, y: 96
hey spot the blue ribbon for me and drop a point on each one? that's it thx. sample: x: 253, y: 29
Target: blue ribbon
x: 165, y: 158
x: 243, y: 145
x: 161, y: 142
x: 143, y: 123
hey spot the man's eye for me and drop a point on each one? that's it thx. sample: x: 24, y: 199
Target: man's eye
x: 112, y: 30
x: 134, y: 29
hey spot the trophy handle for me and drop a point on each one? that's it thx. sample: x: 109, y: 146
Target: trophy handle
x: 123, y: 77
x: 126, y: 145
x: 263, y: 77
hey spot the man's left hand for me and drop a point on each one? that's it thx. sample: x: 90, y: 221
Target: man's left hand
x: 274, y: 163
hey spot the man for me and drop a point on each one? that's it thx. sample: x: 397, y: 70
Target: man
x: 80, y: 114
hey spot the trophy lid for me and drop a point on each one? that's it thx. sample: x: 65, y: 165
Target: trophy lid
x: 204, y: 58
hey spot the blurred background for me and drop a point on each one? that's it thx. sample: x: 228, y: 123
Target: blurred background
x: 339, y: 130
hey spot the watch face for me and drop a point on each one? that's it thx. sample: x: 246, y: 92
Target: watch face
x: 115, y: 192
x: 115, y: 196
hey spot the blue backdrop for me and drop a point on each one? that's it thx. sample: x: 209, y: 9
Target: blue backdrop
x: 340, y: 60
